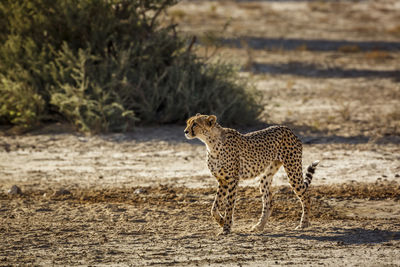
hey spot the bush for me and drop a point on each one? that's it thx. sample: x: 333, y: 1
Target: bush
x: 106, y: 65
x: 21, y: 105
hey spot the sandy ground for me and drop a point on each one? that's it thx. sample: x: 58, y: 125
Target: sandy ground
x: 171, y: 226
x: 161, y: 155
x: 328, y: 69
x: 144, y: 199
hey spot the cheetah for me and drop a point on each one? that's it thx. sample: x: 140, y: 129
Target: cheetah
x: 232, y: 156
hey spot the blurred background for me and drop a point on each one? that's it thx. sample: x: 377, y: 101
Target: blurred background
x: 330, y: 69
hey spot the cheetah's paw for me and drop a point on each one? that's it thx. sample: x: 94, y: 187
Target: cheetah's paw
x: 257, y: 228
x: 224, y: 232
x: 303, y: 225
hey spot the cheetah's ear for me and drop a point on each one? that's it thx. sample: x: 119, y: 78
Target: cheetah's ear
x: 198, y: 114
x: 211, y: 120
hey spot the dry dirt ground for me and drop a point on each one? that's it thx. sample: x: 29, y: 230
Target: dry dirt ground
x: 328, y: 69
x: 144, y: 199
x: 162, y: 225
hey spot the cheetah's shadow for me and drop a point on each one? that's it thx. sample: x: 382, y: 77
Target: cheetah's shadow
x: 344, y: 236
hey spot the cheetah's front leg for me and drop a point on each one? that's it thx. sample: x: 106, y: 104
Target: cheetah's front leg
x: 218, y: 205
x: 230, y: 206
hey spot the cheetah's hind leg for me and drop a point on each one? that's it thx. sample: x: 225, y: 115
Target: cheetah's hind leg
x: 265, y: 189
x: 304, y: 196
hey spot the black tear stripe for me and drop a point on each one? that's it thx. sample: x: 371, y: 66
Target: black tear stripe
x: 191, y: 129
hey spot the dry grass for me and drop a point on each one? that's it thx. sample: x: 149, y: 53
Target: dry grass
x: 395, y: 30
x: 344, y: 111
x: 378, y: 55
x: 349, y: 49
x: 249, y: 5
x: 177, y: 14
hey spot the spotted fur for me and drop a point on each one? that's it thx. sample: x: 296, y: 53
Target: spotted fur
x: 232, y: 156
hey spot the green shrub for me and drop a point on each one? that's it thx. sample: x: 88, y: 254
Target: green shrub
x: 21, y: 105
x: 106, y: 65
x: 86, y: 103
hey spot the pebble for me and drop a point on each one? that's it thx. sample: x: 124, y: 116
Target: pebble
x: 83, y: 139
x: 7, y: 147
x: 139, y: 191
x: 15, y: 190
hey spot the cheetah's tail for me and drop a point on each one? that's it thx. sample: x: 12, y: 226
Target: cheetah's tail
x: 310, y: 172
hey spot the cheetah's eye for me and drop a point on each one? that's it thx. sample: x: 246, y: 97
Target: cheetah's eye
x: 194, y: 124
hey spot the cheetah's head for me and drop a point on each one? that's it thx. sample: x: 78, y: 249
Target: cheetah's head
x: 199, y: 126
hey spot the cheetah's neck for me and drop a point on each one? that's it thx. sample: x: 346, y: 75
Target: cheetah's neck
x: 214, y: 139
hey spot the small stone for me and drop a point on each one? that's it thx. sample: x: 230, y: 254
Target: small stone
x: 83, y: 139
x: 62, y: 192
x: 139, y: 191
x: 7, y: 147
x: 15, y: 190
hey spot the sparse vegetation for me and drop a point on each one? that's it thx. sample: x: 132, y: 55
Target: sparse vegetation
x: 377, y: 55
x: 177, y: 14
x: 395, y: 30
x: 114, y: 68
x: 344, y: 111
x: 349, y: 49
x: 249, y: 63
